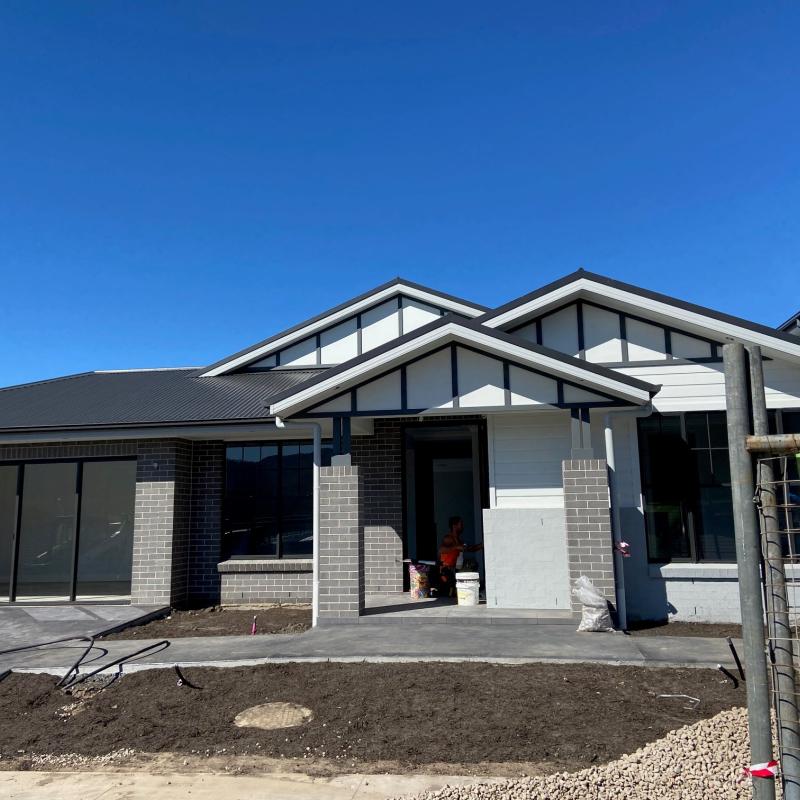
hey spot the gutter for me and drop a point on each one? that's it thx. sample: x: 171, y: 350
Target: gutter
x: 316, y: 429
x: 616, y: 524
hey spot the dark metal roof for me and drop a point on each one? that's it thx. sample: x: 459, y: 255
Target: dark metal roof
x: 365, y: 296
x: 475, y: 325
x: 147, y: 397
x: 636, y: 290
x: 792, y: 325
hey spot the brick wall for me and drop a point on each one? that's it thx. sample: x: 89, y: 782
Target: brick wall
x: 341, y: 545
x: 380, y: 461
x: 208, y: 476
x: 588, y: 518
x: 279, y: 581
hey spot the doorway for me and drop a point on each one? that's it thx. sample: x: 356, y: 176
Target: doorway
x: 445, y: 476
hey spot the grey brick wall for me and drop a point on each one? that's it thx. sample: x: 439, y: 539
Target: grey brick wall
x: 341, y: 545
x: 208, y: 476
x: 589, y: 544
x: 278, y: 581
x: 161, y: 532
x: 380, y: 461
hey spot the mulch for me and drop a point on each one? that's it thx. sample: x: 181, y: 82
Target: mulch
x: 676, y: 628
x: 218, y: 621
x: 570, y: 715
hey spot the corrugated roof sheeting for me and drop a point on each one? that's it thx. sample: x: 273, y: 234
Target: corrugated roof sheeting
x: 143, y: 397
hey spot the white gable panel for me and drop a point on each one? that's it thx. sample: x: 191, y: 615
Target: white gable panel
x: 416, y: 314
x: 531, y: 388
x: 337, y: 404
x: 301, y: 354
x: 382, y: 394
x: 269, y: 361
x: 480, y: 380
x: 573, y: 394
x: 340, y: 343
x: 429, y: 382
x: 527, y: 332
x: 688, y: 347
x: 601, y: 337
x: 379, y: 325
x: 645, y: 342
x: 560, y: 330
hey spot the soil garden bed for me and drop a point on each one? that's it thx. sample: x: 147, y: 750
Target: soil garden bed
x: 218, y: 621
x: 711, y: 629
x: 439, y: 716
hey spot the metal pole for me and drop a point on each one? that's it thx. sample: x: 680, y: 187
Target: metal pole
x: 748, y: 558
x: 780, y: 631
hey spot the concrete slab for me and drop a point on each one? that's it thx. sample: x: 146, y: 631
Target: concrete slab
x: 209, y: 786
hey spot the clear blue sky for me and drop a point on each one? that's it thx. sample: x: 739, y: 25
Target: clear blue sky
x: 179, y: 179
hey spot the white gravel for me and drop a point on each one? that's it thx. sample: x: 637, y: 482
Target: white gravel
x: 695, y: 762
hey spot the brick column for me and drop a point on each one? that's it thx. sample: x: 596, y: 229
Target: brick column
x: 161, y: 532
x: 341, y: 545
x: 588, y: 519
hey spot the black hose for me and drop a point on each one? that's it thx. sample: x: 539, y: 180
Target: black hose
x: 728, y: 674
x: 735, y: 657
x: 162, y: 645
x: 183, y: 680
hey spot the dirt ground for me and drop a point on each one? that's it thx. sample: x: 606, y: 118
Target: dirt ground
x: 685, y: 629
x: 446, y: 717
x: 218, y: 621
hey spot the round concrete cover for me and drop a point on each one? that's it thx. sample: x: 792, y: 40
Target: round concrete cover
x: 271, y: 716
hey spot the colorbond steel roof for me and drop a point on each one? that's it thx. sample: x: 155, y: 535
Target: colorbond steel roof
x: 143, y: 397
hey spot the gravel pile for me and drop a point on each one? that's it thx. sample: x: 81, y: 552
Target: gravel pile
x: 692, y: 763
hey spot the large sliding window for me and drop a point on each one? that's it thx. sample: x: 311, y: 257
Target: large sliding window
x: 268, y: 499
x: 686, y: 484
x: 66, y: 530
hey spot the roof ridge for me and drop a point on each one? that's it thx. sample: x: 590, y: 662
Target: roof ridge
x: 45, y: 380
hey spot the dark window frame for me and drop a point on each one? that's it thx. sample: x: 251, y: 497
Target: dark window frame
x: 228, y: 519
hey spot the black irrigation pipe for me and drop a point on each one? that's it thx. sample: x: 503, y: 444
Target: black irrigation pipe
x: 162, y: 645
x: 735, y: 657
x: 44, y: 644
x: 728, y: 674
x: 183, y: 680
x: 77, y: 663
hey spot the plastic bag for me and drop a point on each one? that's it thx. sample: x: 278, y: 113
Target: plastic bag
x: 595, y: 616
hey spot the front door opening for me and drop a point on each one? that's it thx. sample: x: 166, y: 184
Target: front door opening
x: 444, y: 479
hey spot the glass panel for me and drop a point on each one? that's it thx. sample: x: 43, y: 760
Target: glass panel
x: 791, y: 421
x: 715, y: 524
x: 718, y: 428
x: 8, y: 520
x: 697, y: 430
x: 47, y: 533
x: 105, y: 546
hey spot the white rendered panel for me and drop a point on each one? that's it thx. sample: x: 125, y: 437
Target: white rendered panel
x: 573, y: 394
x: 382, y: 394
x: 645, y: 342
x: 416, y: 314
x: 379, y: 325
x: 527, y: 332
x: 301, y: 354
x: 340, y: 343
x: 531, y: 388
x: 429, y: 382
x: 601, y: 338
x: 560, y: 330
x: 688, y: 347
x: 338, y: 404
x: 480, y: 380
x: 269, y: 361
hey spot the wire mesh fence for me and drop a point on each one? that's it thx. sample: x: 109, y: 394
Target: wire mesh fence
x: 778, y: 501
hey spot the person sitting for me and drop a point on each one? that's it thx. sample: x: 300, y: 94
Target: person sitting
x: 451, y: 551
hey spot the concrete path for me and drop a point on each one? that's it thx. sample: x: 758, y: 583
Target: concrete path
x: 24, y: 624
x: 210, y: 786
x: 422, y: 642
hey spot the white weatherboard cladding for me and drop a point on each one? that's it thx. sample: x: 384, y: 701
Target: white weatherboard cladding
x: 379, y: 325
x: 480, y: 380
x: 429, y: 382
x: 601, y: 338
x: 560, y: 331
x: 340, y: 343
x: 525, y: 454
x: 416, y: 314
x: 645, y: 342
x: 382, y: 394
x: 531, y: 388
x: 301, y: 354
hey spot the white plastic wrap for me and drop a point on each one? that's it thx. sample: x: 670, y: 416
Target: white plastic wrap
x: 595, y: 616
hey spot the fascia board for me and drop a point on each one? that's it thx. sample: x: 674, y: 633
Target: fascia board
x: 340, y: 315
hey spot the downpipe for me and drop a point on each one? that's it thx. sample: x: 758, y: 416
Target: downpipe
x: 316, y: 429
x: 616, y: 521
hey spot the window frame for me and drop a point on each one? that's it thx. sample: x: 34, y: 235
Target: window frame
x: 226, y: 498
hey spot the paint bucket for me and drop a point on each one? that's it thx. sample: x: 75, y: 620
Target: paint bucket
x: 468, y: 586
x: 420, y: 587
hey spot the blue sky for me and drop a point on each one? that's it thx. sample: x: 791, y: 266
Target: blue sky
x: 179, y: 179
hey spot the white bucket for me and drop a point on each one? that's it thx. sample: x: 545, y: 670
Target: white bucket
x: 467, y: 588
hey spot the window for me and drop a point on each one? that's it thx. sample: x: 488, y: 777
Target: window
x: 268, y: 499
x: 686, y: 487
